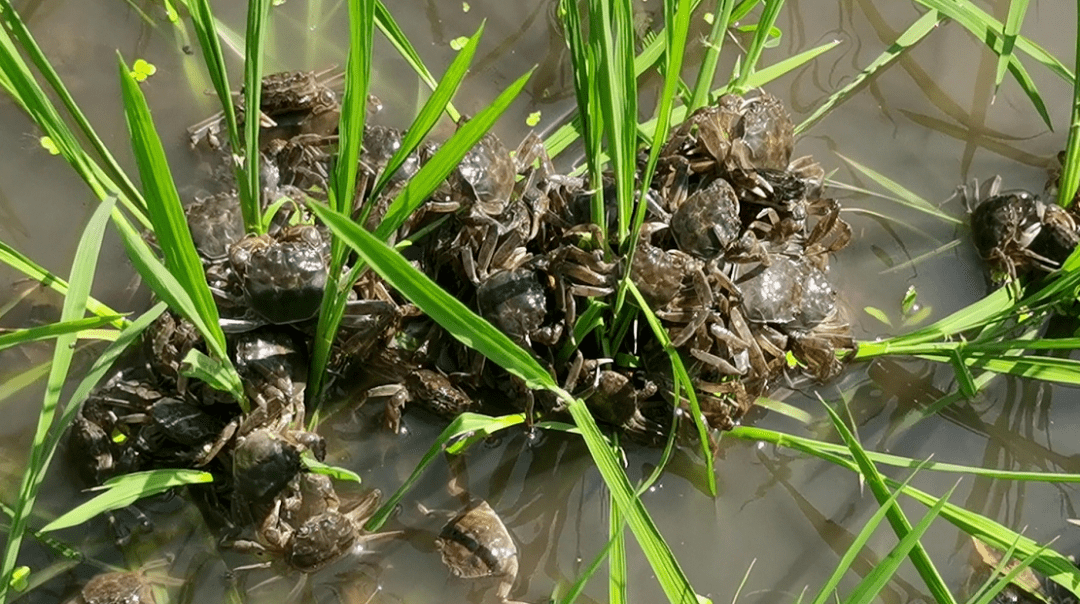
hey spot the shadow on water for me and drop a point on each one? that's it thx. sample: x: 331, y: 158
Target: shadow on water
x: 930, y: 122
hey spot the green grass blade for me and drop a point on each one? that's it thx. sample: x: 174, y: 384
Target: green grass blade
x: 122, y: 491
x: 678, y: 20
x: 1050, y: 563
x: 900, y: 525
x: 757, y: 44
x: 1049, y: 369
x: 904, y: 42
x: 1070, y: 171
x: 20, y: 262
x: 166, y: 211
x: 169, y: 289
x: 911, y: 200
x: 446, y: 159
x: 827, y: 590
x: 462, y: 425
x: 423, y: 183
x: 819, y: 448
x: 432, y: 110
x: 53, y: 330
x: 206, y: 31
x: 354, y: 103
x: 82, y: 277
x: 1017, y: 8
x: 868, y: 589
x: 617, y: 574
x: 102, y: 364
x: 683, y: 381
x: 250, y: 192
x: 611, y: 39
x: 397, y: 38
x: 475, y: 332
x: 713, y: 46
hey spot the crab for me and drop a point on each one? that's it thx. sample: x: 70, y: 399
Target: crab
x: 282, y: 277
x: 430, y: 388
x: 475, y: 544
x: 515, y: 302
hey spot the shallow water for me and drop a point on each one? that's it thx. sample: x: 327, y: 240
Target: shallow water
x: 789, y: 517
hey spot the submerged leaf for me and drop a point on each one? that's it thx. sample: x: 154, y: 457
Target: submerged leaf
x: 125, y: 490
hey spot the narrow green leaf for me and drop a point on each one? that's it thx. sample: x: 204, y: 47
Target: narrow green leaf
x: 354, y: 102
x: 910, y: 297
x: 446, y: 159
x: 125, y: 490
x: 209, y: 370
x: 757, y: 43
x: 432, y: 110
x: 1070, y: 170
x: 1017, y: 8
x: 904, y: 42
x: 844, y: 564
x: 911, y: 200
x: 166, y: 211
x: 52, y: 330
x: 963, y: 374
x: 335, y: 472
x: 870, y: 587
x: 878, y: 314
x: 913, y: 549
x: 16, y: 260
x: 82, y: 276
x: 166, y: 287
x: 250, y: 191
x: 400, y: 41
x: 713, y: 45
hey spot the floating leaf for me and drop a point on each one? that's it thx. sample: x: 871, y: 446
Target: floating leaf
x: 459, y: 42
x: 337, y: 472
x: 49, y: 145
x: 908, y: 303
x: 878, y: 314
x: 465, y: 7
x: 19, y: 578
x: 533, y: 119
x: 710, y: 18
x: 142, y: 70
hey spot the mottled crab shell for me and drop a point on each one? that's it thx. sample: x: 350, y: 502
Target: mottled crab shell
x: 476, y: 544
x: 117, y: 588
x: 707, y: 223
x: 788, y: 294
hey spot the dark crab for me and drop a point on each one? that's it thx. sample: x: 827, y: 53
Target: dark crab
x: 283, y: 276
x: 429, y: 388
x: 707, y: 223
x: 515, y: 302
x: 1014, y: 231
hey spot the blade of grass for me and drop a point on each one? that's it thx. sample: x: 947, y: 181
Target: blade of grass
x: 124, y: 490
x: 1017, y: 8
x: 757, y: 44
x: 16, y: 260
x: 860, y: 540
x: 165, y: 209
x: 354, y: 105
x: 129, y: 194
x: 899, y: 522
x: 250, y: 192
x: 713, y: 45
x: 1070, y: 170
x: 475, y: 332
x: 401, y: 43
x: 464, y: 424
x: 904, y: 42
x: 82, y: 275
x: 431, y: 111
x: 617, y: 574
x: 870, y: 587
x: 166, y: 287
x: 911, y: 200
x: 52, y: 330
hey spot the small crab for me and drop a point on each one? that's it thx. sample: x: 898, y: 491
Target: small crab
x: 282, y: 276
x: 707, y: 223
x: 431, y: 389
x: 476, y: 544
x: 306, y: 528
x: 216, y: 223
x: 613, y: 398
x: 515, y: 302
x: 125, y: 587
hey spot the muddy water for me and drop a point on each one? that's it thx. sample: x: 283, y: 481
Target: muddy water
x: 929, y: 122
